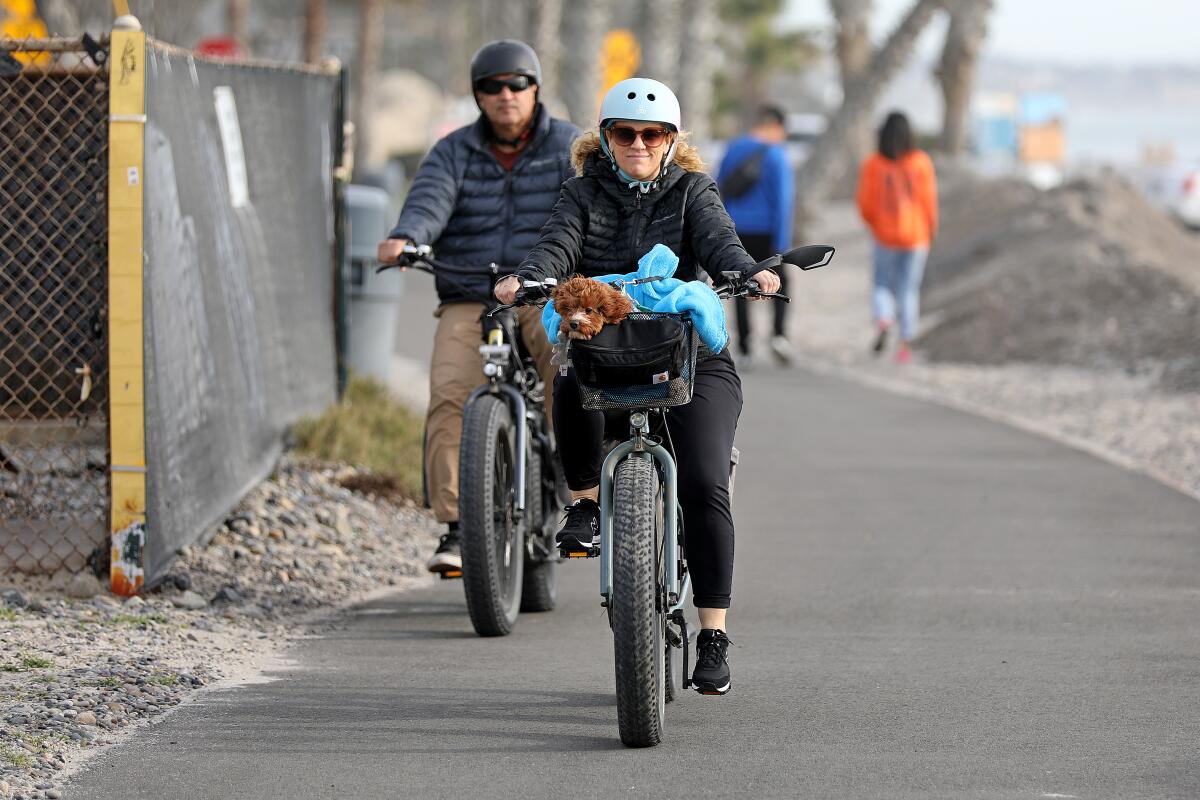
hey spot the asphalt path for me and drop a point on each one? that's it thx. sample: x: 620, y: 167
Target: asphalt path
x: 926, y: 605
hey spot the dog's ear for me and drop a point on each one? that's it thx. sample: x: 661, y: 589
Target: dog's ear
x: 616, y: 306
x: 566, y: 294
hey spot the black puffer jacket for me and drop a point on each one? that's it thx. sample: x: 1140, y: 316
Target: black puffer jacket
x: 601, y: 226
x: 473, y: 212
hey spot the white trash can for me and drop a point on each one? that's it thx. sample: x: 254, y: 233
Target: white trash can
x: 374, y: 299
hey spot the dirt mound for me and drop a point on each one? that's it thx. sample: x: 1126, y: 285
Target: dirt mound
x: 1089, y: 275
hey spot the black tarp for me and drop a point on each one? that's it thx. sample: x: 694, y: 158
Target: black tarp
x: 239, y: 286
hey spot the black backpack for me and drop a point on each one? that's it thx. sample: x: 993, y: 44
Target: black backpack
x: 745, y: 175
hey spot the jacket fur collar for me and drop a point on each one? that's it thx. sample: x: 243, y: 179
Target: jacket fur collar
x: 588, y: 144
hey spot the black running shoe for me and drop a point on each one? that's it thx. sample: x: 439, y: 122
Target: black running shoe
x: 448, y: 556
x: 581, y: 526
x: 712, y: 668
x: 881, y: 340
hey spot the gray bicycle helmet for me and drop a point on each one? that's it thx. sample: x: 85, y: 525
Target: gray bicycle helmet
x: 506, y: 55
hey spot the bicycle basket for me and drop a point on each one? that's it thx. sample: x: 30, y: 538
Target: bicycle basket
x: 646, y: 361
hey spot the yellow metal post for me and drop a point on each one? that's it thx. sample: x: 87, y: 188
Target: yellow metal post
x: 126, y: 145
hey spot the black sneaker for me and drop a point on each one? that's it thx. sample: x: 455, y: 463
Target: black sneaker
x: 448, y: 556
x: 712, y: 669
x: 581, y: 526
x: 881, y: 340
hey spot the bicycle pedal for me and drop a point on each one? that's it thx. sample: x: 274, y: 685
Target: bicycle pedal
x: 589, y: 553
x: 450, y: 574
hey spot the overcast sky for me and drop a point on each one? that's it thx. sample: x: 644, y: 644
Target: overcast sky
x: 1121, y: 32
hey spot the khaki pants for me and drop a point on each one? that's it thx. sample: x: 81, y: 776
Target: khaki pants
x: 455, y: 371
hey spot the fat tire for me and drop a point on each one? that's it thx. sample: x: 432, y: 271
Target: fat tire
x: 539, y: 590
x: 488, y: 426
x: 638, y: 636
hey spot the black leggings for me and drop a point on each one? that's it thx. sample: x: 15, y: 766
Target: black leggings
x: 702, y: 432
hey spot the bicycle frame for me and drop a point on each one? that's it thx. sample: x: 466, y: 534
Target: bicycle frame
x: 639, y: 445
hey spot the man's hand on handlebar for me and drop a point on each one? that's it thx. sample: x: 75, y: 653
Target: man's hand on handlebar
x: 506, y: 290
x: 390, y: 250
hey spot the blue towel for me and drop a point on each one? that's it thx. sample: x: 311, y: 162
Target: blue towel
x: 669, y: 295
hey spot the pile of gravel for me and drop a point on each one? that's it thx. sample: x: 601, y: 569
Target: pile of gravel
x: 78, y: 666
x: 1088, y: 275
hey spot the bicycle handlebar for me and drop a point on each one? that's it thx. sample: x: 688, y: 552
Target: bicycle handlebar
x: 537, y: 293
x: 738, y: 285
x: 420, y: 257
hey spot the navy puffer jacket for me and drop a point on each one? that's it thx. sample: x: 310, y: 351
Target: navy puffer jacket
x: 473, y: 212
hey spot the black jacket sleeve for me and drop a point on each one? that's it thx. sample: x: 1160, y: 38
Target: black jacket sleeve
x: 560, y: 247
x: 431, y: 198
x: 714, y: 238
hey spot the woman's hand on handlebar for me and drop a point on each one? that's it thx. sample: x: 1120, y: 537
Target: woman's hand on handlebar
x: 390, y: 250
x: 506, y: 290
x: 768, y: 283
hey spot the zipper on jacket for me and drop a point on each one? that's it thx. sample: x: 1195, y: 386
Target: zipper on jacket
x: 509, y: 200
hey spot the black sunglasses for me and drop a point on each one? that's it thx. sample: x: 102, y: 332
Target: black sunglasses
x: 626, y: 136
x: 515, y: 84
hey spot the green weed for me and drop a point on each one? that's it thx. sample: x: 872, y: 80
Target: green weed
x: 370, y: 429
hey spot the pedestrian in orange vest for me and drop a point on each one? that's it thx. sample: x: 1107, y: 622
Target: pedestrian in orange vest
x: 897, y: 197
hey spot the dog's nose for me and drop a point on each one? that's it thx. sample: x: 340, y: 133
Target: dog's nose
x: 574, y: 325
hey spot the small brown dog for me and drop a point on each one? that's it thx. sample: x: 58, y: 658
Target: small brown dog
x: 586, y: 306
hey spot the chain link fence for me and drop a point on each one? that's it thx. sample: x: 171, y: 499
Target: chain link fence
x: 54, y: 486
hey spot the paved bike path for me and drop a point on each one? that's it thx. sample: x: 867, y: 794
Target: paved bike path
x: 927, y: 605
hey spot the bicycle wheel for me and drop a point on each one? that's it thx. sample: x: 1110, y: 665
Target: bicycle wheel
x: 492, y: 541
x: 539, y: 589
x: 639, y: 640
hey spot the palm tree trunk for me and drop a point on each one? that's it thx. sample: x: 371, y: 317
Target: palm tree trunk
x: 370, y: 43
x: 60, y: 17
x: 505, y: 19
x: 956, y: 71
x: 237, y: 21
x: 315, y: 25
x: 827, y: 162
x: 853, y: 42
x: 660, y: 50
x: 853, y: 49
x: 696, y: 67
x: 545, y: 31
x: 583, y: 30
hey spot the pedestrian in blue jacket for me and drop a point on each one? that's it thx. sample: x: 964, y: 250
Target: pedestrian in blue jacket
x: 756, y: 185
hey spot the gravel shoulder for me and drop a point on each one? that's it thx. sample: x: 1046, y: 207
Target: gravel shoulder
x: 1130, y: 419
x: 81, y: 669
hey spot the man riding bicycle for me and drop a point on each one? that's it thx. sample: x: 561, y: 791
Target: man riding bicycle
x: 481, y: 196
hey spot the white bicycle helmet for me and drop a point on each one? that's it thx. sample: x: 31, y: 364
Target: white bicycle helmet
x: 640, y: 100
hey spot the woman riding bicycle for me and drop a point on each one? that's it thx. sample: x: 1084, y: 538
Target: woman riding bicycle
x: 639, y: 184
